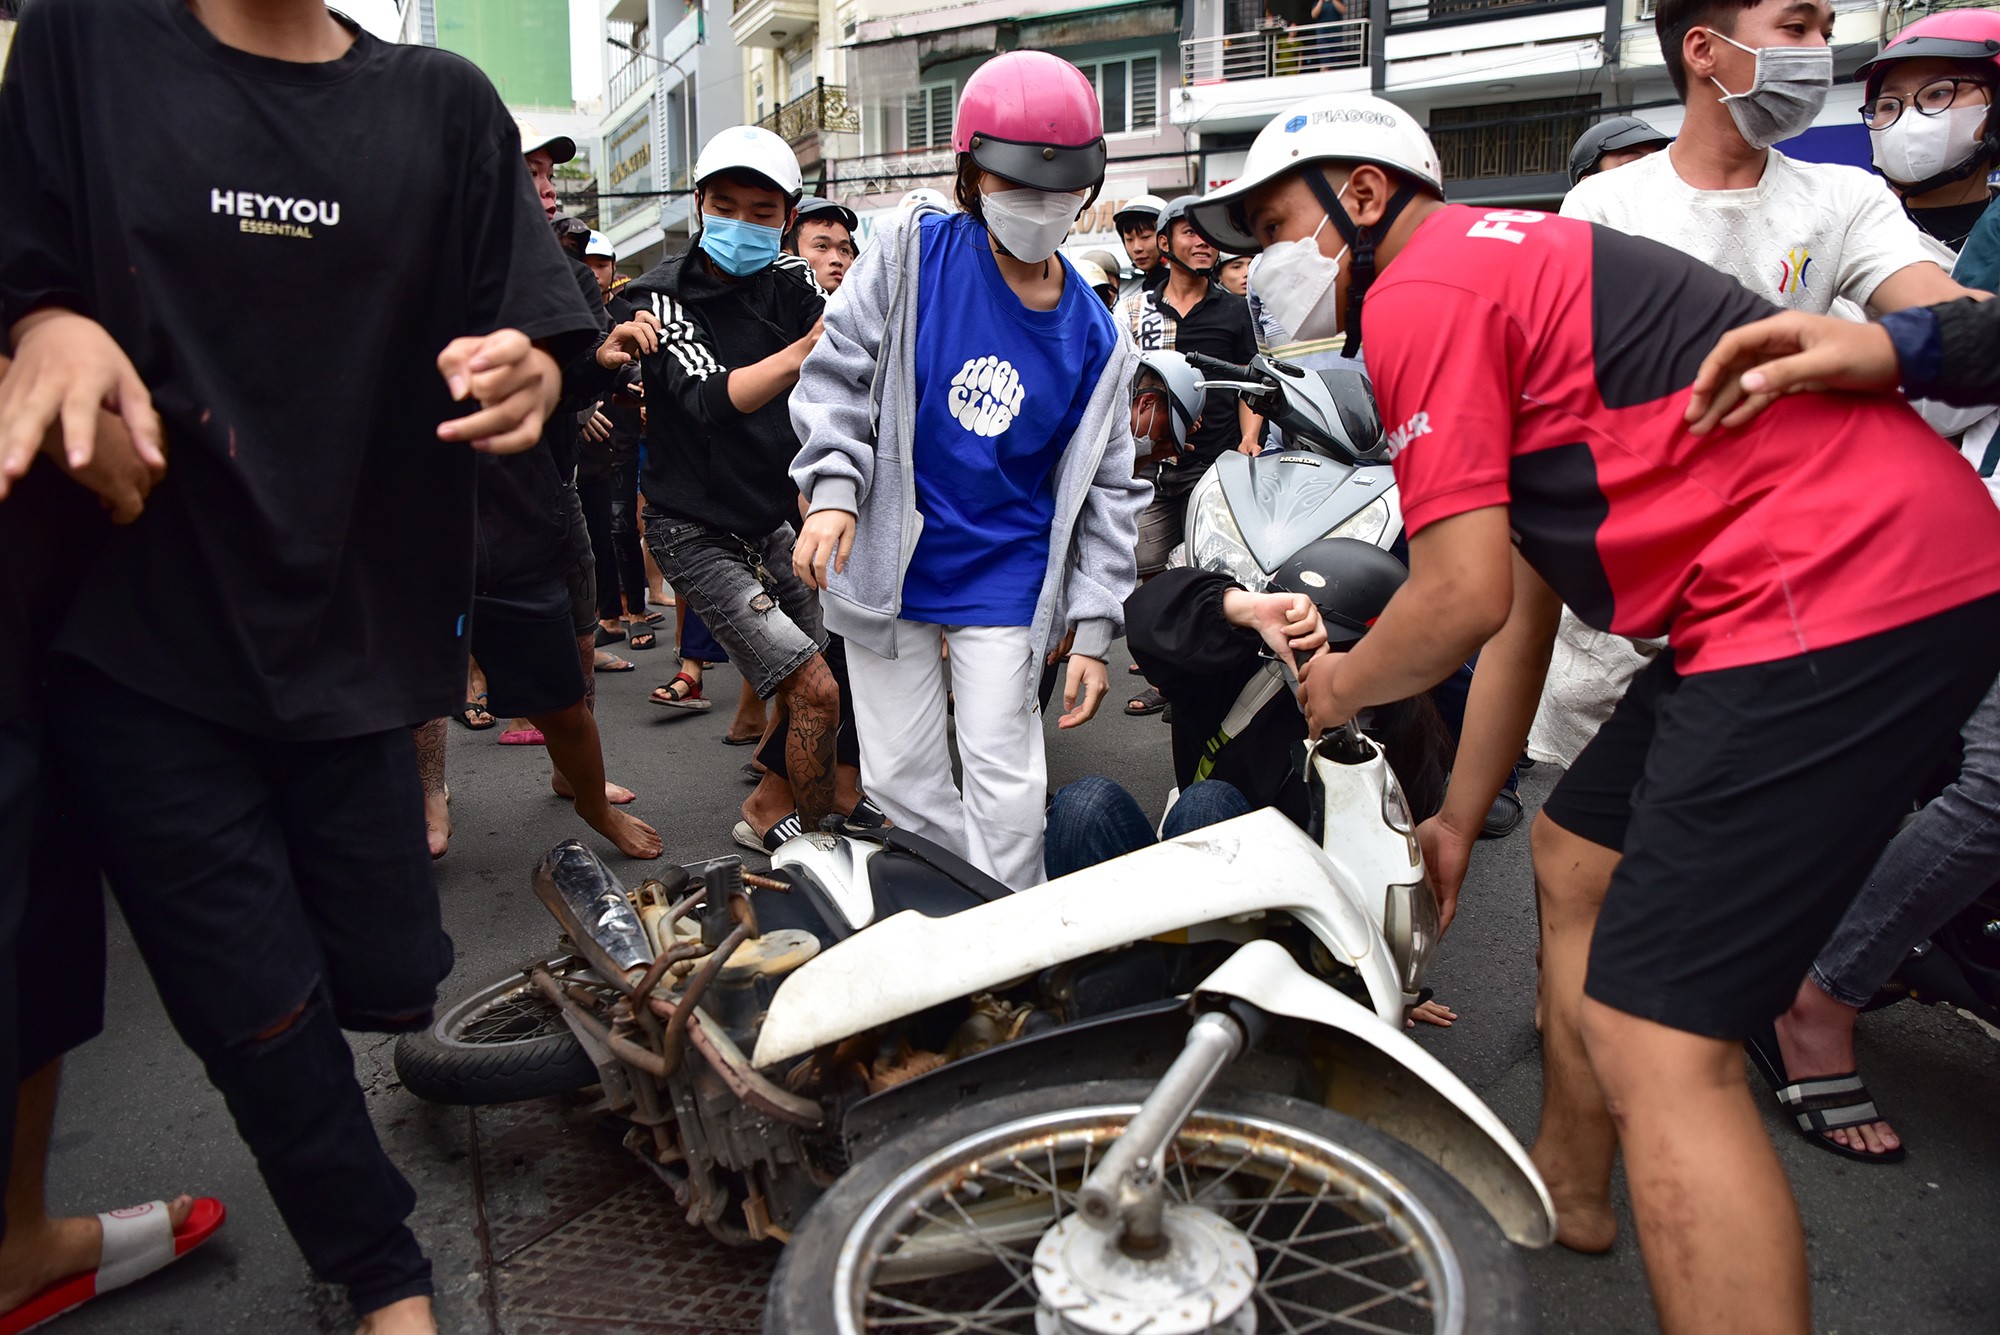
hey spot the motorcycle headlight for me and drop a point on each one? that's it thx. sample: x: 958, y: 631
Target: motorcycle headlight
x: 1367, y: 523
x: 1396, y: 807
x: 1214, y: 542
x: 1410, y: 922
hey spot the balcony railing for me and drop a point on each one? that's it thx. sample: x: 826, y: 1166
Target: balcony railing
x: 895, y: 173
x: 1275, y: 50
x: 1409, y: 13
x: 627, y: 80
x: 823, y: 108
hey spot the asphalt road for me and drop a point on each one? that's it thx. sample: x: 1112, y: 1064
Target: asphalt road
x: 1893, y: 1249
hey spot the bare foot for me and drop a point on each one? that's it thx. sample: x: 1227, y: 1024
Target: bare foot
x: 634, y: 838
x: 412, y: 1316
x: 1816, y: 1038
x: 617, y: 794
x: 437, y: 823
x: 1584, y: 1220
x: 36, y: 1255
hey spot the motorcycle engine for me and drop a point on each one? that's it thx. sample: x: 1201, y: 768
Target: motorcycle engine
x: 742, y: 992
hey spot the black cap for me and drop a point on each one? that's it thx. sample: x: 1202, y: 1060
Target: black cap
x: 815, y: 209
x: 1349, y: 580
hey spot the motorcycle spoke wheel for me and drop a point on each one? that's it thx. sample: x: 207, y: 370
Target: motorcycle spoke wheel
x: 1340, y: 1244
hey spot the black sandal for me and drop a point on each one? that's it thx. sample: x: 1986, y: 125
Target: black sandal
x: 1820, y: 1104
x: 476, y: 705
x: 606, y: 636
x: 1148, y: 701
x: 642, y: 638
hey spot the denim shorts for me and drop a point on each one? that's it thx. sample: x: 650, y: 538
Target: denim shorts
x: 762, y: 614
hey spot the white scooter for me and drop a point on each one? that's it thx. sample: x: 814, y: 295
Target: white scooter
x: 1168, y: 1093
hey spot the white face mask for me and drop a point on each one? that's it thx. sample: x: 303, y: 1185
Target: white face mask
x: 1295, y: 283
x: 1785, y: 93
x: 1918, y: 147
x: 1030, y: 223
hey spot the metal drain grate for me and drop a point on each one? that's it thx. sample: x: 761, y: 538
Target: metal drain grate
x: 584, y: 1239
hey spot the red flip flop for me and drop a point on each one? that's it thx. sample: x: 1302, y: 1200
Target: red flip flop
x: 523, y: 737
x: 138, y: 1240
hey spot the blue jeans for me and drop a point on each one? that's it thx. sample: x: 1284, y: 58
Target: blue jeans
x: 1940, y: 862
x: 1094, y: 820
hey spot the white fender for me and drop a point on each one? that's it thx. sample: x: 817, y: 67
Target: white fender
x: 907, y: 962
x: 1381, y: 1077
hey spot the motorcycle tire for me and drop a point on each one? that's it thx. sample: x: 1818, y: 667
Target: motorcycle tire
x: 501, y: 1044
x: 1472, y: 1279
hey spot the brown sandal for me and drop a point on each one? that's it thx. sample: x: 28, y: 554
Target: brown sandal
x: 672, y: 697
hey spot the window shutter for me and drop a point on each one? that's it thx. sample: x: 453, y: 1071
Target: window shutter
x: 941, y: 109
x: 1145, y: 92
x: 1111, y: 95
x: 916, y: 123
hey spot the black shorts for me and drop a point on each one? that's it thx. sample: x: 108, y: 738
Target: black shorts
x: 1750, y: 804
x: 579, y: 566
x: 525, y: 643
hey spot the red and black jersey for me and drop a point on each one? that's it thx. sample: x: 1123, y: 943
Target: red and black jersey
x: 1543, y: 364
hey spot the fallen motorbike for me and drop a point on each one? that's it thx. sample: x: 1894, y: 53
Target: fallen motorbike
x: 1168, y: 1093
x: 1249, y: 514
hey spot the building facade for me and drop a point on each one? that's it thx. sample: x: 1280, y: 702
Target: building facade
x: 1504, y: 86
x: 672, y: 78
x: 523, y: 46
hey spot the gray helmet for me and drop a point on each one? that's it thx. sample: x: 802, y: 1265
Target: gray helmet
x: 1609, y: 136
x: 1349, y: 581
x: 1173, y: 211
x: 1185, y: 395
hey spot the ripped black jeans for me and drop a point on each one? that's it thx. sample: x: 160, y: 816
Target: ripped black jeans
x: 279, y: 891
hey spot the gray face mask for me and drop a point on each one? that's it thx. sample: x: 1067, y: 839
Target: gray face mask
x: 1785, y: 94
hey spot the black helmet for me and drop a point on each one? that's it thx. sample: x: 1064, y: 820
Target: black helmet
x: 1349, y: 580
x: 1609, y: 136
x: 814, y: 208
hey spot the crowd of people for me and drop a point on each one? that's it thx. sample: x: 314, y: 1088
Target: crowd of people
x: 912, y: 486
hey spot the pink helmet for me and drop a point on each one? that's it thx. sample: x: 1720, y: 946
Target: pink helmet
x: 1952, y: 34
x: 1032, y: 118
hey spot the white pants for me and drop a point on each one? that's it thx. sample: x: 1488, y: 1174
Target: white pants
x: 899, y: 715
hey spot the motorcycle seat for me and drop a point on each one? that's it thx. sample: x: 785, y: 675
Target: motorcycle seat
x: 909, y: 874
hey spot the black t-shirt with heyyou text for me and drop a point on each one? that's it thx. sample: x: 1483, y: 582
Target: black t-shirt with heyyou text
x: 282, y: 249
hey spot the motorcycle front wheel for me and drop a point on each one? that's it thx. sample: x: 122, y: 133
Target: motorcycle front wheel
x: 1351, y: 1230
x: 503, y: 1043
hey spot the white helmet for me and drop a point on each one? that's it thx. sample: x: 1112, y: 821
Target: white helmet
x: 925, y: 197
x: 1335, y: 127
x: 1143, y: 210
x: 752, y: 149
x: 1092, y: 273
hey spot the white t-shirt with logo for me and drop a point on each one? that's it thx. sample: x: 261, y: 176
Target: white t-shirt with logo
x: 1806, y: 234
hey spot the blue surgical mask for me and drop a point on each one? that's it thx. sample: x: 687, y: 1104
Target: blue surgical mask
x: 739, y: 248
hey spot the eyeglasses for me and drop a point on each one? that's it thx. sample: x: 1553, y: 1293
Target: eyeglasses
x: 1934, y: 98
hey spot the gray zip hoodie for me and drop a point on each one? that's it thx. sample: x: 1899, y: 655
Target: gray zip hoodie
x: 854, y: 410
